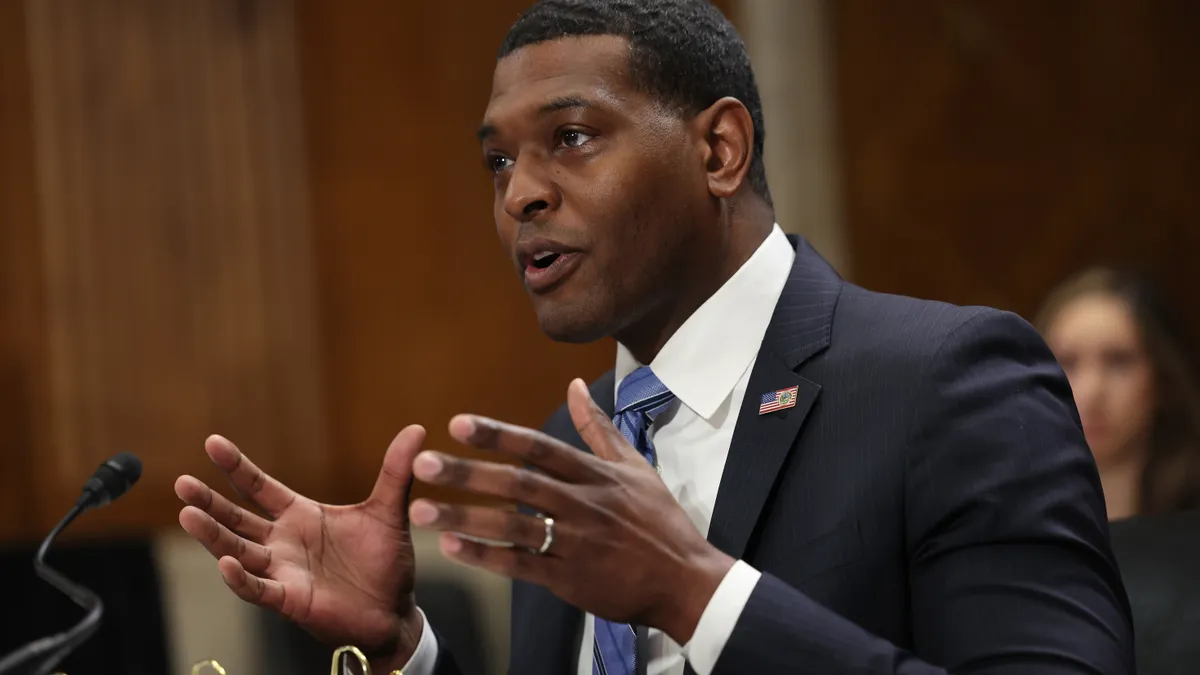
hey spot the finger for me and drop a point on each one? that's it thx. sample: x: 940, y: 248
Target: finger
x: 221, y: 543
x: 391, y: 487
x: 497, y: 480
x: 195, y: 493
x: 595, y: 427
x: 480, y: 521
x: 532, y: 447
x: 262, y: 592
x: 508, y: 561
x: 249, y: 480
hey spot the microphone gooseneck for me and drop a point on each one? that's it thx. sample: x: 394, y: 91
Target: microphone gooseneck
x: 111, y: 480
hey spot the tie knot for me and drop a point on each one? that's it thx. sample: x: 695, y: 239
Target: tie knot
x: 642, y: 392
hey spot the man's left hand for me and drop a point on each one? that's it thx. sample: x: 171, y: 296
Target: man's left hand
x: 623, y: 548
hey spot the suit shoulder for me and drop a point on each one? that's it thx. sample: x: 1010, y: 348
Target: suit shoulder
x: 897, y: 326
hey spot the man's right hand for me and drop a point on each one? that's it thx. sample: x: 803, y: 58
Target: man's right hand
x: 343, y: 573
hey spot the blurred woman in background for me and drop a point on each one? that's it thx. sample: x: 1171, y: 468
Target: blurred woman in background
x: 1131, y: 373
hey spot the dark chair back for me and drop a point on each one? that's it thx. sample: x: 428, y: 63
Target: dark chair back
x: 1160, y: 564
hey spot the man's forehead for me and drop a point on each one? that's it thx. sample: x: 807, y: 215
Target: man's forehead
x: 592, y: 67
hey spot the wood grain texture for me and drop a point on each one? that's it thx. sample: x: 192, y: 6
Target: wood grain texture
x: 992, y: 148
x: 165, y: 279
x: 178, y: 277
x: 21, y: 326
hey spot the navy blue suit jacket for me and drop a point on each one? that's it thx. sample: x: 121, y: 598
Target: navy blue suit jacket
x: 928, y: 506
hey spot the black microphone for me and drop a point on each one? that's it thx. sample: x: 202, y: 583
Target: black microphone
x: 111, y: 480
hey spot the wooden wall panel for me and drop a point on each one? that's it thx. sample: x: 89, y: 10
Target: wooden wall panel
x: 176, y: 261
x: 991, y: 148
x: 21, y: 327
x: 161, y: 277
x: 424, y: 316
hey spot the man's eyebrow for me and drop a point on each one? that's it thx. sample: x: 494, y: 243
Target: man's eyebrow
x: 564, y: 103
x: 487, y: 129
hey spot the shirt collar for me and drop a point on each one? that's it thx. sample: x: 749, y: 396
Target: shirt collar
x: 703, y: 361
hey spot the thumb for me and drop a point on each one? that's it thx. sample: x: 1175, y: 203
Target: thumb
x: 391, y: 488
x: 595, y: 427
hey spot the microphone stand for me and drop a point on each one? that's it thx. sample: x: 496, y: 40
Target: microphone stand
x: 53, y: 648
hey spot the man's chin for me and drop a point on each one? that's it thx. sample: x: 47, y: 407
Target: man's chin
x: 563, y: 325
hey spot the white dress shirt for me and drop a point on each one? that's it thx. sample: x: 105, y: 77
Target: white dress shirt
x: 707, y: 365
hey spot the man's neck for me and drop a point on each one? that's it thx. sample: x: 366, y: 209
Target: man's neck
x: 646, y: 337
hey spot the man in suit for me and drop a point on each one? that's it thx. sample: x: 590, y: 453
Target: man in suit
x: 783, y: 474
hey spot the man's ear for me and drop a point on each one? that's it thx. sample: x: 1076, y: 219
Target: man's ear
x: 727, y: 131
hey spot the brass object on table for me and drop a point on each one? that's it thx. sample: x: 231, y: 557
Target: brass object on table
x: 199, y: 666
x: 337, y: 665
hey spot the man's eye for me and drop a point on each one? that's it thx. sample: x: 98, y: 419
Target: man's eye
x: 574, y: 139
x: 498, y: 163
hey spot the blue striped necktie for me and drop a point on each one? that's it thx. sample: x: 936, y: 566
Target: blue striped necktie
x: 640, y: 398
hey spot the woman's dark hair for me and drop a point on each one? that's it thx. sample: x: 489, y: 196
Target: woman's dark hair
x: 1171, y: 479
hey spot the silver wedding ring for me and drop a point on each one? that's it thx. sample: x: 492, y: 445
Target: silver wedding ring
x: 549, y: 535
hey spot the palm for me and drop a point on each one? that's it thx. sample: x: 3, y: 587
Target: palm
x: 346, y: 571
x: 343, y: 573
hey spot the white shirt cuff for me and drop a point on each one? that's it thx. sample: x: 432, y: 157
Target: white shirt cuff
x: 425, y: 657
x: 720, y: 617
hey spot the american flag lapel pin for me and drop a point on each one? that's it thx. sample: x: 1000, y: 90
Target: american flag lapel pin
x: 778, y: 400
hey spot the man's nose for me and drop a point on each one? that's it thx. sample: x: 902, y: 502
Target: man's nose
x: 530, y: 192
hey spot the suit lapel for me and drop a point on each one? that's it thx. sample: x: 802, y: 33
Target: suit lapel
x: 760, y: 445
x: 799, y: 329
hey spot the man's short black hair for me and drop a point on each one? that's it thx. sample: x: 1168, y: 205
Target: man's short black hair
x: 683, y: 52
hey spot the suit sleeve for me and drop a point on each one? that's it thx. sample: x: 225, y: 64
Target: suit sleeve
x: 444, y: 664
x: 429, y: 658
x: 1010, y: 570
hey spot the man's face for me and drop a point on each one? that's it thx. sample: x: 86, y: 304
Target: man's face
x: 597, y: 186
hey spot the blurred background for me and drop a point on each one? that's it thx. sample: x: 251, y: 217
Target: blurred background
x: 268, y: 219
